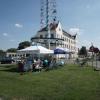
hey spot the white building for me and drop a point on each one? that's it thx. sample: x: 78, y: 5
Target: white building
x: 58, y: 38
x: 15, y: 55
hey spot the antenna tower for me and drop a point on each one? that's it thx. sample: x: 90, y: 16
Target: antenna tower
x: 48, y: 18
x: 48, y: 12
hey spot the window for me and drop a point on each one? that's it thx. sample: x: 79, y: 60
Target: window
x: 45, y: 41
x: 41, y: 36
x: 69, y: 40
x: 67, y: 46
x: 71, y: 47
x: 59, y: 29
x: 52, y: 35
x: 65, y: 38
x: 10, y: 55
x: 61, y: 37
x: 46, y: 36
x: 56, y: 36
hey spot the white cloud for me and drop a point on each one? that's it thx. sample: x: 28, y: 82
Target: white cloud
x: 18, y: 25
x: 12, y: 40
x: 76, y: 31
x: 5, y: 34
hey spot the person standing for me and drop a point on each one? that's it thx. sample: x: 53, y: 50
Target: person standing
x: 21, y: 67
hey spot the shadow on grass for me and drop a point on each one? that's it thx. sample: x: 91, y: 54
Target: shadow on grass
x: 77, y: 68
x: 9, y: 68
x: 6, y: 66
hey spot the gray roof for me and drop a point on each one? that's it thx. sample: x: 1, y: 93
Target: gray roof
x: 69, y: 35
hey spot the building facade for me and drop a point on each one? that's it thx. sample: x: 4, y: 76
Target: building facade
x: 58, y: 38
x: 15, y: 55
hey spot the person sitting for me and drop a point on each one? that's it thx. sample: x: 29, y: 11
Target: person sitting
x: 45, y: 63
x: 36, y: 65
x: 38, y: 68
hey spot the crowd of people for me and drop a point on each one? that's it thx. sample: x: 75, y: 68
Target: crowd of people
x: 35, y: 64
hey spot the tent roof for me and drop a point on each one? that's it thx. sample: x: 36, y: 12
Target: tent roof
x: 65, y: 49
x: 60, y: 50
x: 36, y: 49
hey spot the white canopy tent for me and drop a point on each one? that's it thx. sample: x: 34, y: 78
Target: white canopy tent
x: 35, y: 50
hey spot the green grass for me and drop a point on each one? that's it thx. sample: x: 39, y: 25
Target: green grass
x: 70, y: 82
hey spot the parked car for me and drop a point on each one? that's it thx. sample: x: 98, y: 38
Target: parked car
x: 7, y: 60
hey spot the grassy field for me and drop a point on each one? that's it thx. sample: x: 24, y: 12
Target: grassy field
x: 70, y: 82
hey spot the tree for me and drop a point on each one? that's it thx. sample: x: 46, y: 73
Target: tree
x: 2, y: 53
x: 12, y: 50
x: 83, y: 51
x: 24, y: 44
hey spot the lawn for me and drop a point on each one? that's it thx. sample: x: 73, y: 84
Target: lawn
x: 70, y: 82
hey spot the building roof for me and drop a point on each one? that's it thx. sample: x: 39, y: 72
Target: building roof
x: 69, y: 35
x: 53, y: 26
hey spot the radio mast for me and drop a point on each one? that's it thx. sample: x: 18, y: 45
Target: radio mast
x: 48, y: 12
x: 48, y: 15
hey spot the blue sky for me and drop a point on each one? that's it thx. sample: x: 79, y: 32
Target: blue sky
x: 20, y: 20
